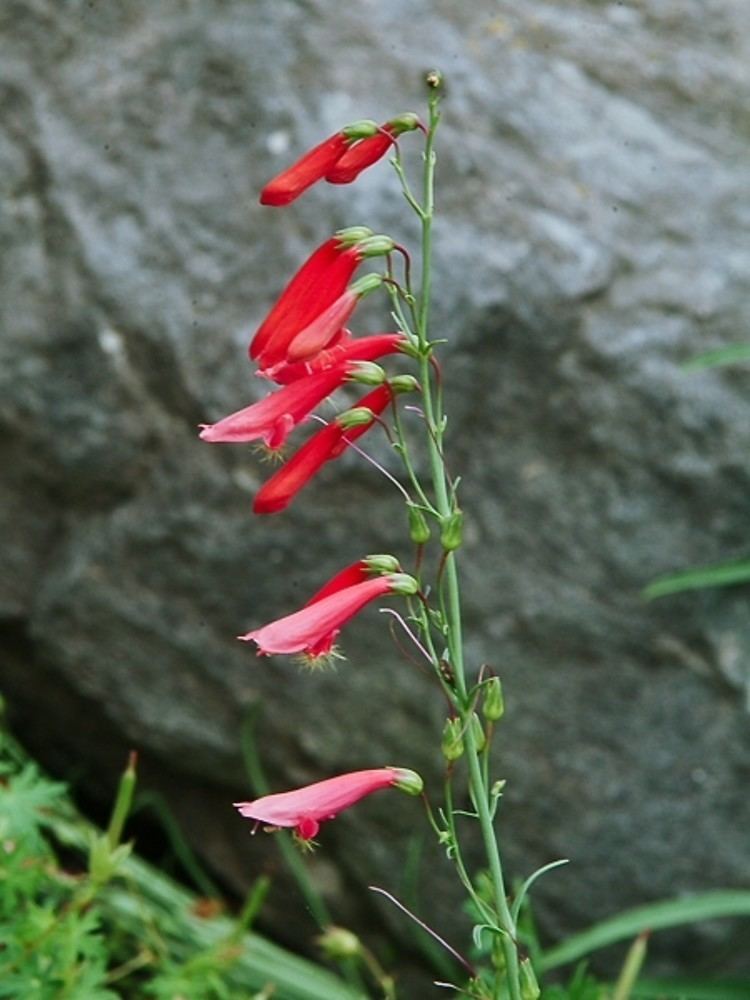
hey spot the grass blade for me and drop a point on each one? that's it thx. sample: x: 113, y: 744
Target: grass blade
x: 720, y: 575
x: 654, y: 917
x: 730, y: 355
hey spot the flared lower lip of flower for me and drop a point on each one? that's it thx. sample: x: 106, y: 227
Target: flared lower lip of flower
x: 314, y: 628
x: 273, y: 418
x: 306, y: 808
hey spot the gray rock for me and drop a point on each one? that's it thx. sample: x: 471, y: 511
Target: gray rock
x: 593, y: 189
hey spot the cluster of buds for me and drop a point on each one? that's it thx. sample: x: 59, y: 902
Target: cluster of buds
x: 304, y: 345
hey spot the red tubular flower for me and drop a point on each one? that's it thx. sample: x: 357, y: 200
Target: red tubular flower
x: 272, y: 419
x: 314, y: 165
x: 367, y: 151
x: 347, y: 577
x: 311, y: 167
x: 326, y: 444
x: 358, y: 157
x: 306, y: 808
x: 346, y: 348
x: 318, y: 283
x: 314, y: 628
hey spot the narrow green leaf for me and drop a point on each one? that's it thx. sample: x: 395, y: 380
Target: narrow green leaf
x: 729, y: 355
x: 520, y: 896
x: 691, y: 989
x: 720, y: 575
x: 654, y: 917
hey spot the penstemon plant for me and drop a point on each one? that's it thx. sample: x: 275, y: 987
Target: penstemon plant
x: 305, y: 347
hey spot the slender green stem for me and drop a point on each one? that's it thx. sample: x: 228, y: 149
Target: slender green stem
x: 445, y: 506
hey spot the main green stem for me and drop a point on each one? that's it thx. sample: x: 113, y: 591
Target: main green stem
x: 479, y: 791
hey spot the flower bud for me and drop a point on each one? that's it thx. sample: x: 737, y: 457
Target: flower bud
x: 477, y: 731
x: 408, y: 781
x: 358, y: 416
x: 362, y: 129
x: 403, y: 584
x: 419, y: 529
x: 382, y: 563
x: 338, y: 943
x: 434, y: 79
x: 406, y: 122
x: 403, y: 383
x: 451, y: 531
x: 375, y: 246
x: 529, y: 986
x: 493, y: 706
x: 452, y: 743
x: 353, y: 234
x: 366, y: 373
x: 366, y: 284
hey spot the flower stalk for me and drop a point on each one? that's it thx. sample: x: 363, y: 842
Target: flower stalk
x: 479, y: 790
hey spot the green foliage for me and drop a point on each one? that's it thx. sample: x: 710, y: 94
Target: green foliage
x: 729, y: 355
x: 82, y: 918
x: 719, y: 575
x: 51, y: 946
x: 654, y: 916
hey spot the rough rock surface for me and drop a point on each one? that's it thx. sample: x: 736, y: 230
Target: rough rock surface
x: 593, y: 185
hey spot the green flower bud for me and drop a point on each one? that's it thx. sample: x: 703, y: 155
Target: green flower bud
x: 382, y: 563
x: 451, y: 531
x: 353, y: 234
x: 358, y: 416
x: 366, y: 373
x: 362, y: 129
x: 408, y: 781
x: 493, y: 706
x: 366, y: 284
x: 403, y: 584
x: 338, y: 943
x: 477, y: 731
x: 452, y: 743
x: 434, y: 79
x: 406, y: 122
x: 529, y: 986
x: 375, y: 246
x: 419, y: 529
x: 403, y: 383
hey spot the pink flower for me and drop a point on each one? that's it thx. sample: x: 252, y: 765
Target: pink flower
x: 306, y: 808
x: 272, y: 419
x: 326, y: 444
x: 314, y: 628
x: 345, y: 348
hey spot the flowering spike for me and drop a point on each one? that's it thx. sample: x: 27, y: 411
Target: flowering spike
x: 271, y: 419
x: 313, y: 629
x: 304, y: 809
x: 327, y: 444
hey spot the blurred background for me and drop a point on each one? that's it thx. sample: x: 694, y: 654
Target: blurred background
x: 593, y: 203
